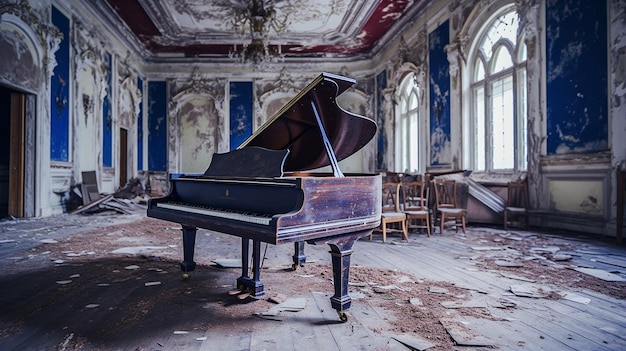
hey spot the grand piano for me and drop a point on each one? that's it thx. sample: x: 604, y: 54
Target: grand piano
x: 264, y: 191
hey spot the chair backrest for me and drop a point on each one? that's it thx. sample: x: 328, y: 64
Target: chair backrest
x: 517, y: 194
x: 445, y: 193
x: 414, y: 196
x: 391, y: 194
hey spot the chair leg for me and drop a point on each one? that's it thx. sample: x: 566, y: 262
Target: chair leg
x: 442, y: 220
x: 506, y: 223
x: 405, y: 231
x: 385, y: 232
x: 463, y: 222
x: 427, y: 226
x: 526, y: 223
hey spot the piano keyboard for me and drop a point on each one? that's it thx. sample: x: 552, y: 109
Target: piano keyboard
x: 255, y: 218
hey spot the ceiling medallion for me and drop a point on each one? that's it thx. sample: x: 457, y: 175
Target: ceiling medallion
x: 256, y: 22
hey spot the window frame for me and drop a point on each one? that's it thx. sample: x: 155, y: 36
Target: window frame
x: 409, y: 131
x: 480, y: 155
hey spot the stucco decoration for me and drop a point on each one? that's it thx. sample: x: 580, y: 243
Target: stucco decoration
x: 39, y: 39
x: 129, y: 95
x: 454, y: 56
x: 89, y: 90
x: 18, y: 57
x: 618, y: 74
x: 416, y: 54
x: 197, y: 127
x: 528, y: 11
x: 86, y: 67
x: 273, y: 95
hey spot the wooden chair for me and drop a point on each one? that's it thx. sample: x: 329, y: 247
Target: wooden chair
x: 414, y: 203
x: 447, y: 206
x: 517, y: 203
x: 392, y: 219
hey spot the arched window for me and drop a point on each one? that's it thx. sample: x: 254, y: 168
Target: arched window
x: 408, y: 158
x: 498, y: 97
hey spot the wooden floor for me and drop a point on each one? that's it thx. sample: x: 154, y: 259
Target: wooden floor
x: 138, y: 301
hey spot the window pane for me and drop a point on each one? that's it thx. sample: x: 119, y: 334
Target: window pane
x: 479, y: 71
x: 412, y: 101
x: 502, y: 127
x: 405, y: 141
x: 502, y: 60
x: 413, y: 133
x: 522, y: 120
x: 522, y: 55
x: 504, y: 27
x: 479, y: 128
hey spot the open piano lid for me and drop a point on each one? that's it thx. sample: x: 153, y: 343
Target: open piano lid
x: 295, y: 126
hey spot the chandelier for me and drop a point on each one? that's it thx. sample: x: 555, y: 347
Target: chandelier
x: 255, y: 23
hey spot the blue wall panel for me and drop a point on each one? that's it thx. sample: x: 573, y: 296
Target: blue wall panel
x: 59, y: 99
x: 381, y: 84
x: 240, y: 112
x: 576, y: 51
x: 107, y: 116
x: 157, y: 126
x: 140, y: 127
x: 440, y: 150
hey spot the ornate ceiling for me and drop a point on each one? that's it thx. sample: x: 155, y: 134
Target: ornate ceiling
x: 327, y: 29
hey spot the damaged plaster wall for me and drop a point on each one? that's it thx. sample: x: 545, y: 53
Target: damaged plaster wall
x: 617, y: 23
x: 198, y: 125
x: 87, y: 140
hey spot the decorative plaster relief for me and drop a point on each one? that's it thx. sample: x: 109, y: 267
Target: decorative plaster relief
x: 18, y: 57
x: 273, y: 95
x: 41, y: 36
x: 617, y: 22
x: 128, y: 102
x: 197, y: 126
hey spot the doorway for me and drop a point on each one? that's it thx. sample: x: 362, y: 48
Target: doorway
x: 12, y: 154
x: 123, y: 157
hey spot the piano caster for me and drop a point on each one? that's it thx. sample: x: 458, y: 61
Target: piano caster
x: 343, y: 316
x: 186, y: 275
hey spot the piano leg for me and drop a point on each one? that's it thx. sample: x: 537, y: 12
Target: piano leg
x: 340, y: 251
x: 245, y: 283
x: 299, y: 258
x: 189, y: 245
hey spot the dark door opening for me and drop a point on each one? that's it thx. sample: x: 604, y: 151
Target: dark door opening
x: 123, y: 157
x: 12, y: 152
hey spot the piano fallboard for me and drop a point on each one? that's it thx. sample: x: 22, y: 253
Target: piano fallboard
x: 280, y: 210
